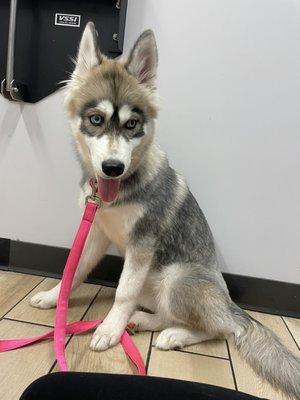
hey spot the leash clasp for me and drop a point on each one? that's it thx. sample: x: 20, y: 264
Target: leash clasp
x: 94, y: 198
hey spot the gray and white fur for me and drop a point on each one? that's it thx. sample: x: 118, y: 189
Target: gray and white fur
x: 171, y: 269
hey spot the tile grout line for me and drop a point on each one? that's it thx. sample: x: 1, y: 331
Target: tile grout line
x: 290, y: 332
x: 71, y: 336
x: 39, y: 323
x: 28, y: 322
x: 231, y: 366
x: 149, y: 352
x: 31, y: 290
x: 199, y: 354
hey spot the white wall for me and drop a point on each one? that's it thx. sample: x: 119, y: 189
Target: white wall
x: 229, y: 79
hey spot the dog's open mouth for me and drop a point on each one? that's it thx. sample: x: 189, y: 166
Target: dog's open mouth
x: 108, y: 189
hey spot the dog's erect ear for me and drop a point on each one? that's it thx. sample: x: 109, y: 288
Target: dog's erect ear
x: 88, y: 55
x: 142, y: 61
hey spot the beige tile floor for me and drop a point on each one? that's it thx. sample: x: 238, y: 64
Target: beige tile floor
x: 214, y: 362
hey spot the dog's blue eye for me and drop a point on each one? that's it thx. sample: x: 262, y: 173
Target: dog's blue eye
x: 96, y: 119
x: 131, y: 123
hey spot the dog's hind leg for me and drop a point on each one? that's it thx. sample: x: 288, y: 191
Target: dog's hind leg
x: 201, y: 303
x: 178, y: 337
x: 198, y: 299
x: 197, y: 306
x: 94, y: 249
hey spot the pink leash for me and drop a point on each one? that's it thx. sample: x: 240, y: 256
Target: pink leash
x: 61, y: 328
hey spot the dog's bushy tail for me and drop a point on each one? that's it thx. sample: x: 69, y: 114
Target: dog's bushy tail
x: 262, y: 349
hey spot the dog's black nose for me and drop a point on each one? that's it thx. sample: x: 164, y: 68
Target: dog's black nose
x: 113, y: 168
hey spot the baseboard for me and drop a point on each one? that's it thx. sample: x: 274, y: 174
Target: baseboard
x: 39, y: 259
x: 255, y: 294
x: 4, y: 252
x: 264, y: 295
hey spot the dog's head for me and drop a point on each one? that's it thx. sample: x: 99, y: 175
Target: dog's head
x: 112, y: 107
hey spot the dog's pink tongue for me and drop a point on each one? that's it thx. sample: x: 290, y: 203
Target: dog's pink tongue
x: 108, y: 189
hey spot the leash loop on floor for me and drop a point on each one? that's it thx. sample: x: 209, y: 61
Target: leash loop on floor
x: 61, y: 328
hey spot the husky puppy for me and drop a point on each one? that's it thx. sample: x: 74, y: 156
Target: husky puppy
x: 170, y: 267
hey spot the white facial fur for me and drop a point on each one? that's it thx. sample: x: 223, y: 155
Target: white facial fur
x: 105, y: 148
x: 106, y: 107
x: 124, y: 113
x: 108, y: 147
x: 94, y: 147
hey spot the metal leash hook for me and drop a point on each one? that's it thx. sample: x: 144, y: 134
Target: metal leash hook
x: 10, y: 88
x: 94, y: 197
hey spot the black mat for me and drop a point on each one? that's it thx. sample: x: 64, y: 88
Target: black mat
x: 88, y: 386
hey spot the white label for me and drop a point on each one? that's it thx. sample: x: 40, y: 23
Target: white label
x: 67, y: 20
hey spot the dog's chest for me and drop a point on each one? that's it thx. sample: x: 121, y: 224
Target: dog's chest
x: 118, y: 222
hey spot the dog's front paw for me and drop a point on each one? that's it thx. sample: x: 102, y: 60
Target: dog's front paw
x: 43, y: 300
x: 104, y: 338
